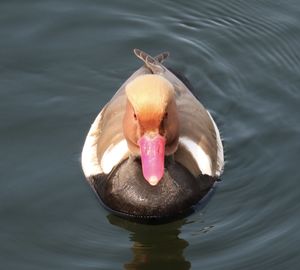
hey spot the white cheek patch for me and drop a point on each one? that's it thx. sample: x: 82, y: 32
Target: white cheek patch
x: 220, y: 153
x: 113, y: 155
x: 202, y: 159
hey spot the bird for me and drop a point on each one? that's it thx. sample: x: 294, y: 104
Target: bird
x: 153, y: 152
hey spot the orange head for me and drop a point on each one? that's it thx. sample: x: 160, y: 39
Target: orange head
x: 151, y: 125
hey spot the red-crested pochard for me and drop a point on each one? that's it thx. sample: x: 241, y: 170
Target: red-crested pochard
x: 153, y: 151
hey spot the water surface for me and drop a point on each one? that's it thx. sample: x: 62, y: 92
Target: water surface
x: 61, y: 61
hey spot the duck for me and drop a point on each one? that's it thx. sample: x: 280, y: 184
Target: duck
x: 153, y: 152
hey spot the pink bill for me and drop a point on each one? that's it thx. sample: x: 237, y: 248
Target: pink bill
x: 153, y: 157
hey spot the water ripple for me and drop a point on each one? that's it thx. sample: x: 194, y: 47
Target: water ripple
x: 61, y: 61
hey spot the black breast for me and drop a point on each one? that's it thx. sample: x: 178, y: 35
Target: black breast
x: 127, y: 193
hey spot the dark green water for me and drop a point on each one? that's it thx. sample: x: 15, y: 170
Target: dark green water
x: 61, y: 61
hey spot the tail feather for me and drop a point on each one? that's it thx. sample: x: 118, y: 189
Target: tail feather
x: 153, y: 63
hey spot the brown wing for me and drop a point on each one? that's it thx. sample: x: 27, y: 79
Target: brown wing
x: 195, y: 123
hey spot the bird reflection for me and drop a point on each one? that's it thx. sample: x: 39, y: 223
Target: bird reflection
x: 154, y: 246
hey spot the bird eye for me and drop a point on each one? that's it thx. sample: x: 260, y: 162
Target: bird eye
x: 134, y: 115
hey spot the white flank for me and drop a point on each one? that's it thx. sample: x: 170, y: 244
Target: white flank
x: 89, y: 157
x: 203, y: 160
x: 114, y: 155
x: 220, y: 154
x: 91, y: 164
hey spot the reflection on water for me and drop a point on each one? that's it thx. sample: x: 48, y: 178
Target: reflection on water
x: 154, y: 246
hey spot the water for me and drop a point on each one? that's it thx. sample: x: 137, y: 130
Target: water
x: 60, y: 63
